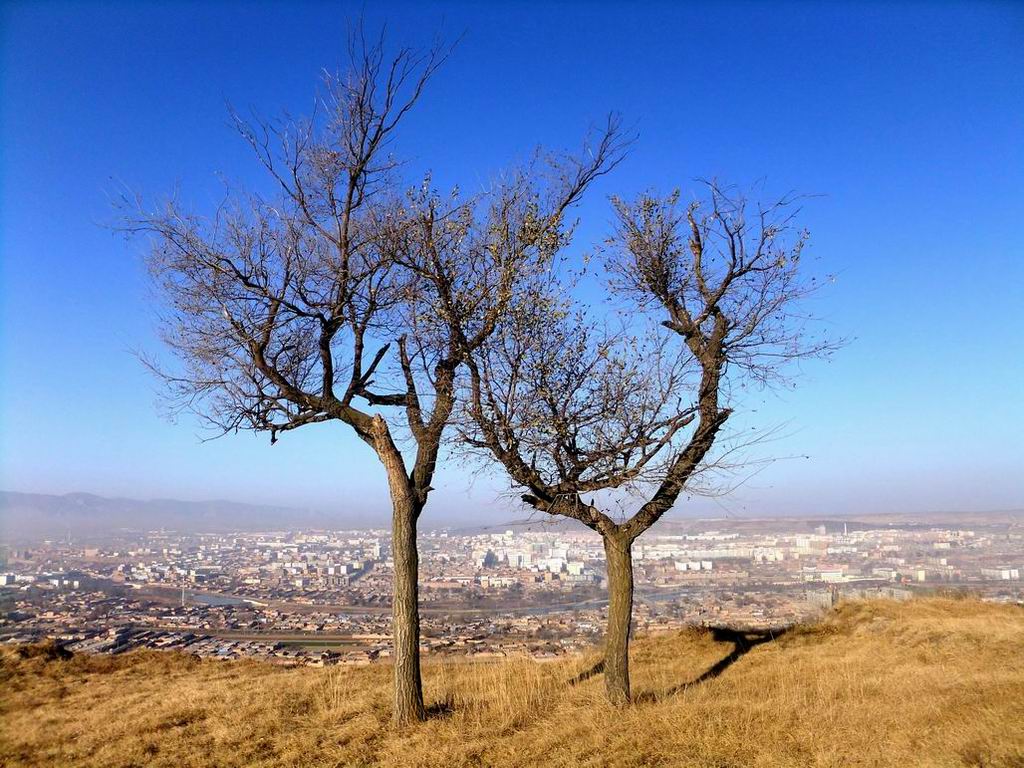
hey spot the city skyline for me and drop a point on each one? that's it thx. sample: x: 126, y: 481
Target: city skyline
x: 323, y: 597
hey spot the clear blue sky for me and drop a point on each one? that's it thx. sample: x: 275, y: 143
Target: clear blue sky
x: 907, y: 117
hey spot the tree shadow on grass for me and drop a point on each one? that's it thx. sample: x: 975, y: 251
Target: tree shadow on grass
x: 440, y: 709
x: 586, y: 674
x: 743, y: 642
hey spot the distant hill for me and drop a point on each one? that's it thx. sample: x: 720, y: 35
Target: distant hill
x: 929, y: 682
x: 27, y: 515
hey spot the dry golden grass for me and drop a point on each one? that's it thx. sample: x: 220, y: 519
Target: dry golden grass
x: 926, y: 683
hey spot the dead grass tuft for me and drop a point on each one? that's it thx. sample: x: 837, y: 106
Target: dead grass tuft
x: 937, y: 682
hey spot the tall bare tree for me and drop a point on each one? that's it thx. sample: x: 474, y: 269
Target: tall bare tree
x: 343, y: 299
x: 279, y: 310
x: 571, y: 409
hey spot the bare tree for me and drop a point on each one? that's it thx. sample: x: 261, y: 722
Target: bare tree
x: 571, y: 409
x: 280, y: 310
x: 290, y: 311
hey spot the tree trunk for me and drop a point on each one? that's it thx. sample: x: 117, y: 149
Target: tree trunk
x: 619, y: 555
x: 405, y: 609
x: 405, y: 623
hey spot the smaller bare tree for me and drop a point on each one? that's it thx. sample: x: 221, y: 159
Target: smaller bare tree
x: 570, y: 409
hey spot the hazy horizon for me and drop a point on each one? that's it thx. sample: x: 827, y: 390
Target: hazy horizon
x: 28, y: 516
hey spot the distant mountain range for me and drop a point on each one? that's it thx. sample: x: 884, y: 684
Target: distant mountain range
x: 28, y: 516
x: 33, y: 515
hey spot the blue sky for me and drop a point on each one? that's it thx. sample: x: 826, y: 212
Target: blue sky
x: 907, y: 118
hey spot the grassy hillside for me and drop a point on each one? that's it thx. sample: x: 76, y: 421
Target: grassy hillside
x: 924, y: 683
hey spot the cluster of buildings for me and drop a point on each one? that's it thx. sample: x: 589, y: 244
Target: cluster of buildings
x: 323, y: 597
